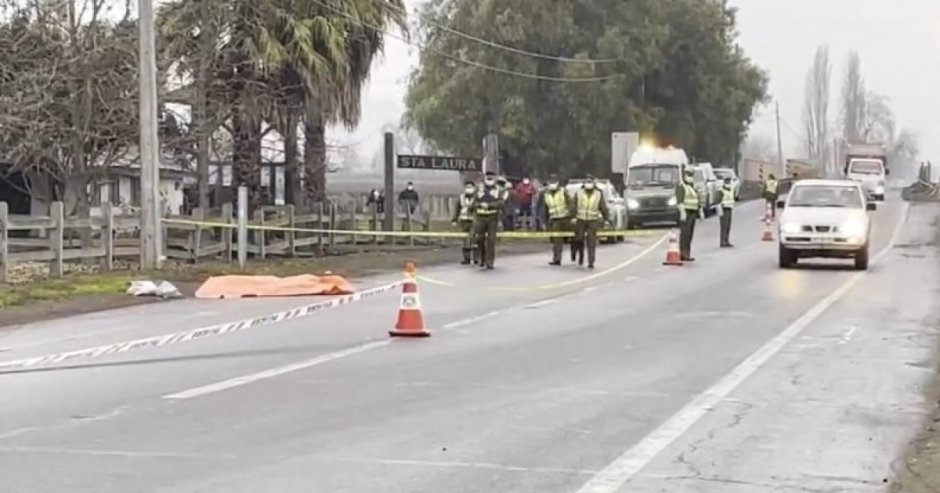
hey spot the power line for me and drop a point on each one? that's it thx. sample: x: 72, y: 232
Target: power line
x: 469, y: 62
x: 510, y: 49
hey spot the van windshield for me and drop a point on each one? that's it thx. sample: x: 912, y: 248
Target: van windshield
x: 640, y: 176
x: 866, y: 167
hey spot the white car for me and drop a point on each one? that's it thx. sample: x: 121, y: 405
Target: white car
x: 825, y: 219
x: 722, y: 174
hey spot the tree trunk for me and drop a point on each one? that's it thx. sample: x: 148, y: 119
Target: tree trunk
x: 292, y: 189
x: 246, y: 157
x: 314, y: 155
x: 200, y: 119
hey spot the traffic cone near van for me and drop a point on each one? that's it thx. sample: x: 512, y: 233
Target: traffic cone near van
x: 673, y: 256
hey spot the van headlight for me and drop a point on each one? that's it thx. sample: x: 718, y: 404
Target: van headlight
x: 672, y: 202
x: 790, y: 228
x: 633, y: 204
x: 854, y: 227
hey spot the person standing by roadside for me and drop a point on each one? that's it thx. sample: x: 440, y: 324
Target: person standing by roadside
x: 770, y: 194
x: 408, y: 199
x: 726, y: 210
x: 525, y: 200
x: 690, y: 209
x: 488, y: 207
x: 463, y: 217
x: 555, y: 211
x: 590, y: 213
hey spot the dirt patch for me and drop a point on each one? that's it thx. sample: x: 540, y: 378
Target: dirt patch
x: 80, y: 293
x: 919, y: 470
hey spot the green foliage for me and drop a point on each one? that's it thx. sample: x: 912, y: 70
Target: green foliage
x: 681, y: 79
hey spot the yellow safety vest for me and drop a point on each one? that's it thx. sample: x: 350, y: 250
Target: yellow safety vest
x: 488, y: 201
x: 690, y: 201
x: 589, y: 206
x: 771, y: 186
x: 466, y: 207
x: 727, y: 197
x: 557, y: 204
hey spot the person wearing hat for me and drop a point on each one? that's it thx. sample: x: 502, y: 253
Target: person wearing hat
x: 487, y: 208
x: 690, y: 208
x: 590, y: 212
x: 463, y: 217
x: 727, y: 207
x: 555, y: 211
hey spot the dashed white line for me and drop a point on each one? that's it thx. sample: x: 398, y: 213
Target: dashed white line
x: 447, y: 464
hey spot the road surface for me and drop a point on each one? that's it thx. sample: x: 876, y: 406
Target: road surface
x: 726, y: 375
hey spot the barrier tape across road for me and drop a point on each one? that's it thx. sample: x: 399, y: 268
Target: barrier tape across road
x: 195, y: 334
x: 415, y: 234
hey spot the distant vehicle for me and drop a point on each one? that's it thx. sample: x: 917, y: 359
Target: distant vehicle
x: 652, y: 176
x: 867, y: 164
x: 825, y: 218
x: 615, y: 204
x: 723, y: 173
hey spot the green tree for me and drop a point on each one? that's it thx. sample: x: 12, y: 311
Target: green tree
x: 668, y: 68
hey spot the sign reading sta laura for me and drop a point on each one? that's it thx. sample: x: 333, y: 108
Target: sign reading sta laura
x: 445, y: 163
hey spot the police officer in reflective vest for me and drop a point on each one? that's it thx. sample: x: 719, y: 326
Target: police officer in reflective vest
x: 590, y: 213
x: 463, y: 216
x: 770, y: 194
x: 487, y: 210
x: 727, y: 207
x: 556, y: 215
x: 690, y: 208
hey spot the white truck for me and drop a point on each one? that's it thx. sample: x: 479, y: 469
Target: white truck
x: 866, y: 164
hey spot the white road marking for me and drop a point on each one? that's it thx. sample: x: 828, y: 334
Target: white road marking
x: 276, y: 372
x: 631, y: 278
x: 630, y: 462
x: 117, y: 453
x: 472, y: 320
x: 847, y: 336
x: 447, y: 464
x: 539, y: 304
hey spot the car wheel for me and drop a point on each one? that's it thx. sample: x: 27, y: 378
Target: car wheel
x: 787, y: 258
x: 861, y: 259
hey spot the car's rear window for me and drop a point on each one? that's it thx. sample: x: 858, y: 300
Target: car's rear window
x: 846, y: 196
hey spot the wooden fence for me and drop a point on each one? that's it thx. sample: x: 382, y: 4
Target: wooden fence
x: 102, y: 239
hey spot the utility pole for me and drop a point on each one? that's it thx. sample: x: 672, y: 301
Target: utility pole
x: 783, y: 165
x: 150, y: 227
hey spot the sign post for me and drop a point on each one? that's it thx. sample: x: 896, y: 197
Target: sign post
x: 622, y: 147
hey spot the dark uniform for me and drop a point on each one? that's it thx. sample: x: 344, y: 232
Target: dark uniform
x: 590, y: 213
x: 727, y: 208
x: 690, y: 206
x: 555, y: 210
x: 463, y: 216
x: 487, y: 210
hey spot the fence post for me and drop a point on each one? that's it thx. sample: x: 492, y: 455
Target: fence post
x: 408, y: 223
x: 107, y: 235
x: 320, y: 227
x: 375, y: 223
x: 4, y: 240
x: 332, y: 237
x: 226, y: 234
x: 354, y: 223
x: 57, y: 213
x: 197, y: 215
x: 259, y: 234
x: 242, y: 226
x: 291, y: 234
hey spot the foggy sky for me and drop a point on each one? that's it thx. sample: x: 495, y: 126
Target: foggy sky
x: 898, y: 40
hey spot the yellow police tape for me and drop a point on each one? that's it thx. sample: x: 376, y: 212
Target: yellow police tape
x: 408, y: 234
x: 563, y: 284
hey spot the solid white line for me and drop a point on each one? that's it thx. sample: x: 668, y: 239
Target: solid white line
x: 445, y: 464
x: 275, y: 372
x: 627, y: 465
x: 113, y: 453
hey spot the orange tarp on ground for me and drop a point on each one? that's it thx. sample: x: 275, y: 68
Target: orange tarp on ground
x: 256, y: 286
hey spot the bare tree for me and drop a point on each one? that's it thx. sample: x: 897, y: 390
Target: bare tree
x: 816, y: 107
x: 854, y: 99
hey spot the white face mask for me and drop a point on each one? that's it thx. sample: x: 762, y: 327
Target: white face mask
x: 589, y: 186
x: 409, y: 187
x: 469, y: 189
x: 525, y: 182
x: 489, y: 183
x: 553, y: 186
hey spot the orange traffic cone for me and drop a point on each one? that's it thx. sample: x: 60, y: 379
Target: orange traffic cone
x: 768, y: 233
x: 673, y: 256
x: 410, y: 319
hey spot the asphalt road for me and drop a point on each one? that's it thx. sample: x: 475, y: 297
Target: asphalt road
x: 724, y: 375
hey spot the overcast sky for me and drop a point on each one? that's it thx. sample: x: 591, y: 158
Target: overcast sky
x: 898, y: 40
